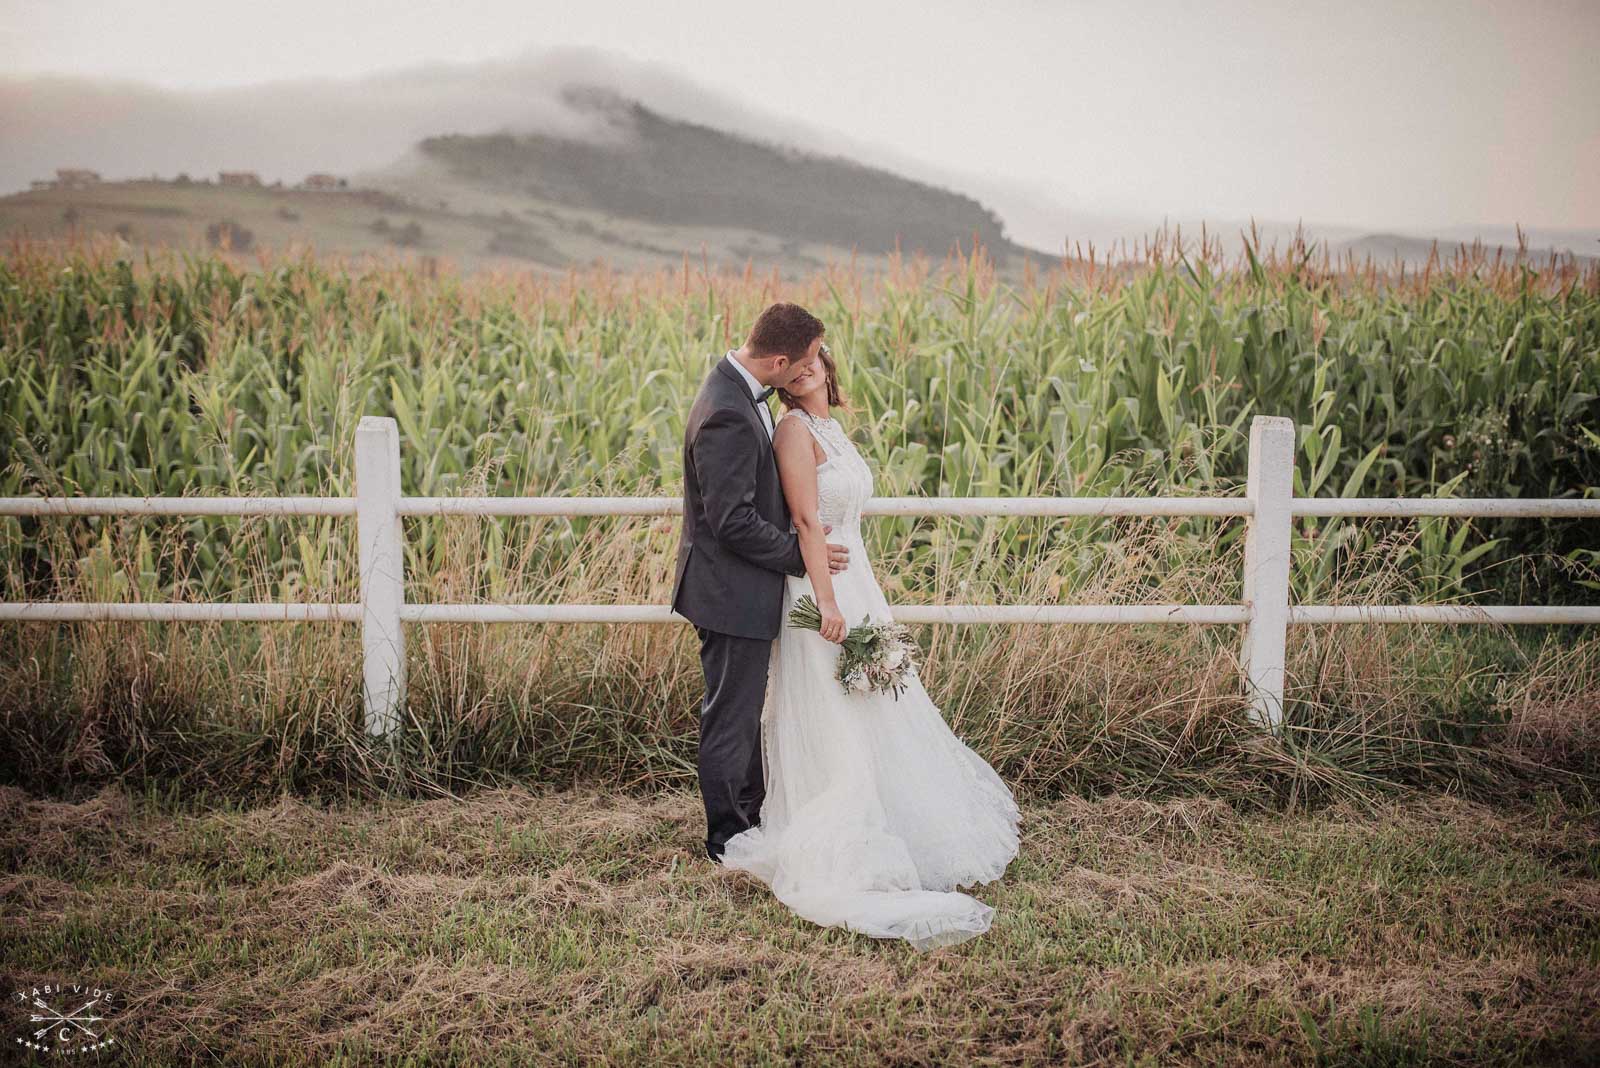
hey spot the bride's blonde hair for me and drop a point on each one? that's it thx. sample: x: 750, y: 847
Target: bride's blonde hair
x: 836, y: 398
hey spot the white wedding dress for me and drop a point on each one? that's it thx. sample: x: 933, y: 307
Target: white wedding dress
x: 875, y: 811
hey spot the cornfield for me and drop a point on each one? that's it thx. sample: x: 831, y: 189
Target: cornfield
x: 209, y: 375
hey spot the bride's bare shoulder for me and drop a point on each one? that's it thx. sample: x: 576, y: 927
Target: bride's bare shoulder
x: 790, y: 436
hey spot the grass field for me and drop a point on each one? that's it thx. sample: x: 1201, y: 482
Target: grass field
x: 469, y: 229
x: 517, y: 928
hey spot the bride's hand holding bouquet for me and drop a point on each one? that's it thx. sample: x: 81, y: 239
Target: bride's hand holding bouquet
x: 876, y: 656
x: 830, y: 621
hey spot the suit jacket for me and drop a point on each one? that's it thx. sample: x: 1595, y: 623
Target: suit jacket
x: 736, y: 545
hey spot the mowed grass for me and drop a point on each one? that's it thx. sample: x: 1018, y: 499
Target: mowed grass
x: 581, y: 926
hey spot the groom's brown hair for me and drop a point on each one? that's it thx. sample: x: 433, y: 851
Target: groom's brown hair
x: 784, y: 330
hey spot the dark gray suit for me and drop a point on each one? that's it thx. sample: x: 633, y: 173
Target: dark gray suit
x: 735, y: 549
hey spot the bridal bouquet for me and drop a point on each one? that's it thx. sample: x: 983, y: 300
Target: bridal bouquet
x: 873, y: 656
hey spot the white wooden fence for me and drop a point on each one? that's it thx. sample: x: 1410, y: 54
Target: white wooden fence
x: 1269, y: 507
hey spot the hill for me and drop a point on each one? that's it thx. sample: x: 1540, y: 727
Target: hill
x: 648, y: 167
x: 1414, y: 251
x: 627, y: 185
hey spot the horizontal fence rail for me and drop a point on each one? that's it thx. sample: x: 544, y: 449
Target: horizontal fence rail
x: 1064, y: 507
x: 177, y: 506
x: 350, y: 612
x: 1268, y: 506
x: 912, y: 506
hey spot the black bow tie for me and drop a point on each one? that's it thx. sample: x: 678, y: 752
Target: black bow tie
x: 764, y: 394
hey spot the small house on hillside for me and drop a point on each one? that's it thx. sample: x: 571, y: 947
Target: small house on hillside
x: 76, y: 177
x: 245, y: 178
x: 322, y: 181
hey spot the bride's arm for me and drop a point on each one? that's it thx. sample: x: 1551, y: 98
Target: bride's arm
x: 797, y: 471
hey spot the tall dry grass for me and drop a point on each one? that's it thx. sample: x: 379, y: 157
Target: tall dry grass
x: 1154, y: 711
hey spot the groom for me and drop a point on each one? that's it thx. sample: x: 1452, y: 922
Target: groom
x: 735, y: 549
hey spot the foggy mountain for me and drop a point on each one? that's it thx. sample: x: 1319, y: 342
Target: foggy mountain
x: 619, y: 142
x: 360, y: 127
x: 287, y: 129
x: 644, y: 166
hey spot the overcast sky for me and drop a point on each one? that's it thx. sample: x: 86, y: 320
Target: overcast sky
x: 1396, y: 114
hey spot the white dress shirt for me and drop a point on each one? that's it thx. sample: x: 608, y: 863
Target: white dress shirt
x: 756, y: 389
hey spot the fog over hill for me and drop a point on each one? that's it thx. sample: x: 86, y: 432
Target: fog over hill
x: 649, y: 167
x: 286, y: 129
x: 360, y: 127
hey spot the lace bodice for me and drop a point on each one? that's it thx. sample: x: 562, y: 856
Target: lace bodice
x: 844, y: 479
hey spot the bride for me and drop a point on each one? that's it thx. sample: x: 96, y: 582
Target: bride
x: 875, y: 811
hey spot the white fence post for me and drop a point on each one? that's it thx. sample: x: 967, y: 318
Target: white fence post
x: 1270, y: 487
x: 382, y: 563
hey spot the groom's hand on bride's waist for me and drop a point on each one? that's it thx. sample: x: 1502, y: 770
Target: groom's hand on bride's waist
x: 838, y: 555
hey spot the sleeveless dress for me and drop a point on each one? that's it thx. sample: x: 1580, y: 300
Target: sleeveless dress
x: 875, y: 810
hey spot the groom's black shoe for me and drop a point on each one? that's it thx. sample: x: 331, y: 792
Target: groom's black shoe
x: 715, y: 855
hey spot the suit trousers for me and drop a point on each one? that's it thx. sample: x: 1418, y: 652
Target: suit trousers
x: 732, y: 779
